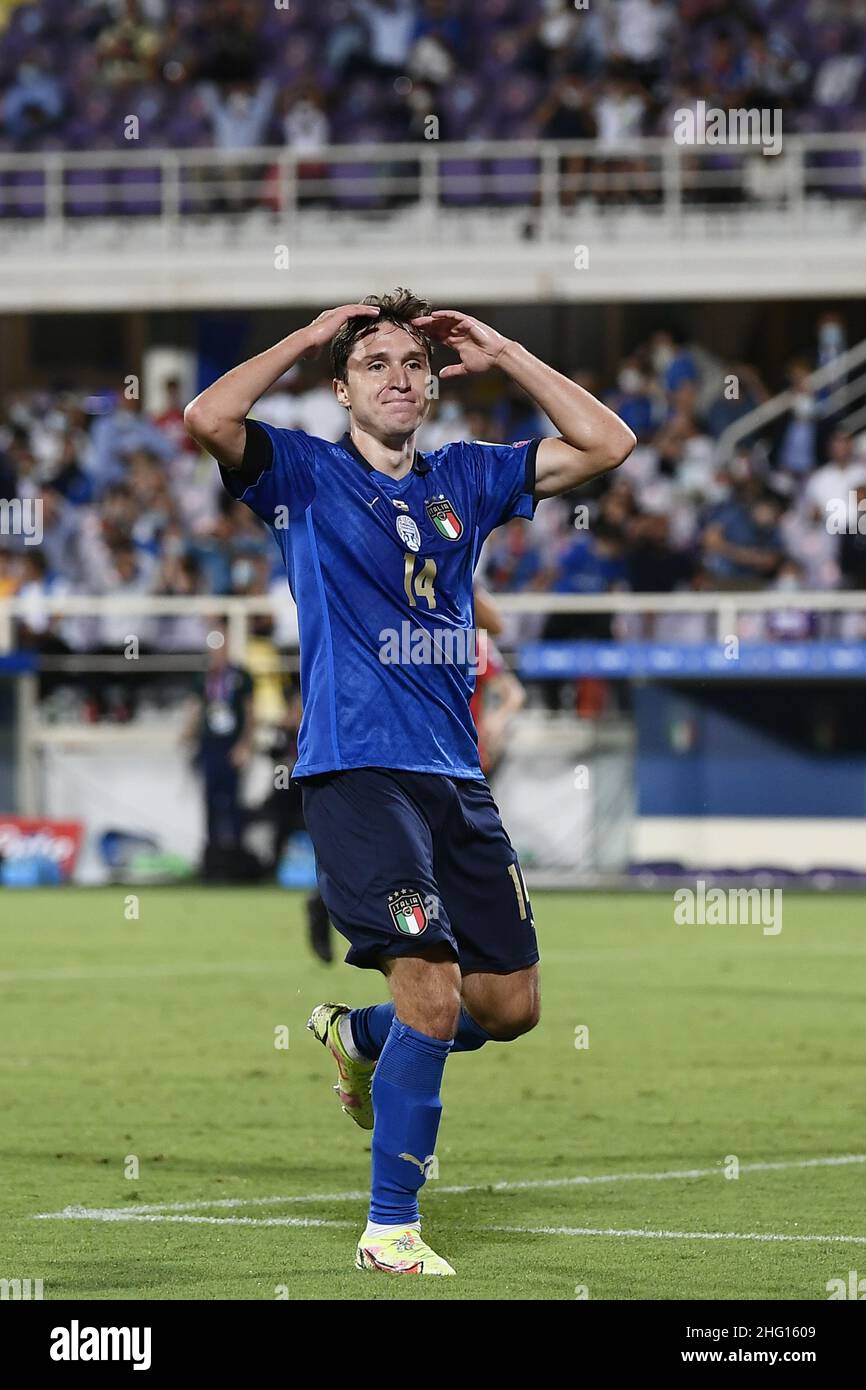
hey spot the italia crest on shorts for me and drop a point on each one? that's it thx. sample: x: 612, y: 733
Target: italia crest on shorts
x: 407, y: 912
x: 444, y: 517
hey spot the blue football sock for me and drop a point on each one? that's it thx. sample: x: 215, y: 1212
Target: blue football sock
x: 370, y: 1028
x: 407, y: 1108
x: 470, y: 1035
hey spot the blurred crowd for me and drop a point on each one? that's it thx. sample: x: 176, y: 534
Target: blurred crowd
x: 237, y: 73
x: 131, y: 507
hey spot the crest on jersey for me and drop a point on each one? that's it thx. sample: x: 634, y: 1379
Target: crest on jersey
x: 444, y: 517
x: 408, y: 532
x: 407, y: 912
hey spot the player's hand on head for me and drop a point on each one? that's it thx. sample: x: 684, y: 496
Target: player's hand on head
x: 329, y: 323
x: 476, y: 344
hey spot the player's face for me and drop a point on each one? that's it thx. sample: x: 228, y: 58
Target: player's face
x: 385, y: 386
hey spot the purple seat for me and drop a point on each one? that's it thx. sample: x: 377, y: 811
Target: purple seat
x: 87, y: 193
x: 461, y: 182
x: 514, y: 181
x: 25, y: 193
x: 355, y: 185
x: 139, y: 192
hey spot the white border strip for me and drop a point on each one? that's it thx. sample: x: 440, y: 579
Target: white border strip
x: 107, y: 1214
x: 132, y: 1213
x: 670, y: 1235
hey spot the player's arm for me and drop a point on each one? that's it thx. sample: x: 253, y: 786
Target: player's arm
x: 593, y: 439
x: 216, y: 419
x: 507, y: 696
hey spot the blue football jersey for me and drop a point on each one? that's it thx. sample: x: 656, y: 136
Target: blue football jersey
x: 381, y: 571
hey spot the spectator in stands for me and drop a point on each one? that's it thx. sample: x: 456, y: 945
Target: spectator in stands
x: 61, y: 535
x: 232, y: 46
x: 835, y: 484
x: 180, y: 576
x: 839, y: 74
x: 619, y: 110
x: 297, y: 402
x: 567, y: 114
x: 37, y: 628
x: 796, y: 446
x: 788, y: 624
x: 437, y: 43
x: 117, y: 435
x: 126, y: 51
x: 390, y: 26
x: 512, y: 559
x: 591, y: 563
x: 34, y: 101
x: 634, y: 400
x: 306, y: 128
x: 170, y: 418
x: 653, y: 566
x: 221, y: 730
x: 239, y: 112
x: 130, y: 572
x: 672, y: 361
x: 741, y: 545
x: 741, y: 392
x: 642, y: 35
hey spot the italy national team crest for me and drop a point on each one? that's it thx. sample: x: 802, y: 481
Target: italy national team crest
x: 407, y: 912
x: 444, y: 517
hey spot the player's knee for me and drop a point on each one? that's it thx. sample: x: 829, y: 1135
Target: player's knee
x: 426, y: 990
x: 436, y: 1017
x: 519, y: 1017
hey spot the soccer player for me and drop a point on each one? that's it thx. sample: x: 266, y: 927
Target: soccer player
x: 380, y: 543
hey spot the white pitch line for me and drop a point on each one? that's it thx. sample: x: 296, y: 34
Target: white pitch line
x: 115, y: 1214
x: 531, y: 1184
x: 107, y: 1214
x: 670, y: 1235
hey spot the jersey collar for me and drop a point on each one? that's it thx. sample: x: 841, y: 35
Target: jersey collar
x: 419, y: 463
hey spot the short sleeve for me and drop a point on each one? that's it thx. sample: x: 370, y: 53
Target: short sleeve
x: 506, y: 481
x: 276, y: 472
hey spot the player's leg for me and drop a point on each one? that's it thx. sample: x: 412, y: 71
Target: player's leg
x: 373, y: 832
x: 491, y: 916
x: 366, y: 1030
x: 407, y: 1080
x: 504, y: 1006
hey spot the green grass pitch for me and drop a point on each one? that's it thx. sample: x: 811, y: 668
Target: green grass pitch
x: 154, y: 1040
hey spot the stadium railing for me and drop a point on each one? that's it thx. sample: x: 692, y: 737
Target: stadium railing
x: 839, y: 391
x: 54, y: 754
x: 724, y: 606
x: 58, y: 191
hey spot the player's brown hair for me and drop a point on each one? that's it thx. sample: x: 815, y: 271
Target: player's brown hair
x: 400, y: 307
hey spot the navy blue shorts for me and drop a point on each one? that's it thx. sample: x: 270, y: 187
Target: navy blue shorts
x: 407, y: 860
